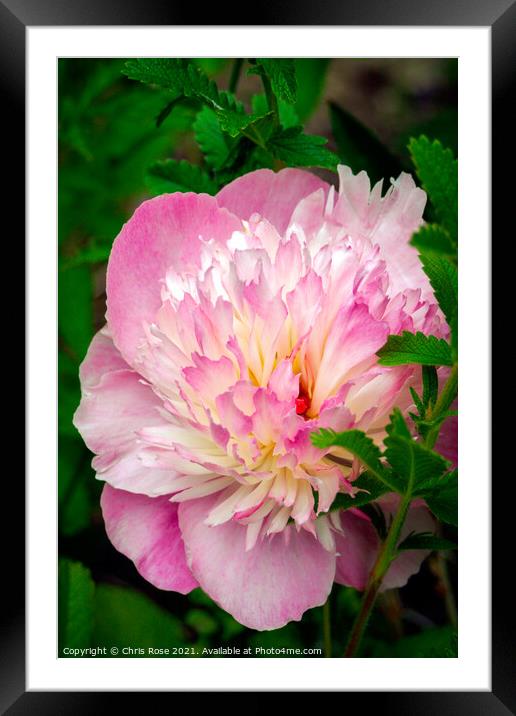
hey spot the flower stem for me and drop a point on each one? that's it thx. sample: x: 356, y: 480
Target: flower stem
x: 272, y: 102
x: 449, y: 600
x: 327, y: 627
x: 382, y: 564
x: 445, y: 399
x: 235, y: 74
x: 388, y: 549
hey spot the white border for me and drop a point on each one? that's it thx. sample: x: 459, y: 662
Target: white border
x: 471, y: 670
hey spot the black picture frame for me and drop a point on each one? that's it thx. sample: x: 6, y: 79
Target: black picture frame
x: 500, y: 15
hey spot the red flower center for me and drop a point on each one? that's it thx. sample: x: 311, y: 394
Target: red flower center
x: 302, y: 404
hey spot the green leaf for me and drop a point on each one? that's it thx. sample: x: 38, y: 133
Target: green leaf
x: 125, y: 617
x: 359, y: 148
x: 443, y: 277
x: 311, y: 77
x: 398, y: 426
x: 418, y: 402
x: 301, y: 150
x: 438, y: 171
x: 214, y: 143
x: 425, y: 540
x: 433, y: 238
x: 172, y: 175
x: 358, y: 444
x: 370, y: 489
x: 282, y: 74
x: 186, y: 79
x: 415, y: 348
x: 76, y: 602
x: 287, y: 113
x: 414, y: 463
x: 443, y: 498
x: 164, y: 72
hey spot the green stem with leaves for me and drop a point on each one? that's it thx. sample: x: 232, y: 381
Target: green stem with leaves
x: 445, y: 399
x: 388, y: 549
x: 383, y: 562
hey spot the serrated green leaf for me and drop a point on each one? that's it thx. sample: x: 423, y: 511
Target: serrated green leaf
x: 359, y: 148
x: 437, y: 169
x: 359, y: 445
x: 433, y: 238
x: 414, y: 463
x: 172, y: 175
x: 443, y: 277
x: 126, y: 617
x: 214, y: 143
x: 287, y: 113
x: 282, y: 75
x: 442, y: 497
x: 76, y: 604
x: 184, y: 78
x: 415, y: 348
x: 398, y: 426
x: 167, y: 73
x: 370, y: 489
x: 301, y: 150
x: 426, y: 540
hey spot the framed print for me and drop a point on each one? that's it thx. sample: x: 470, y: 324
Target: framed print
x: 243, y: 421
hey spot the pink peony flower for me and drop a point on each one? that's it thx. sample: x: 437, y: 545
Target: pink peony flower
x: 236, y: 326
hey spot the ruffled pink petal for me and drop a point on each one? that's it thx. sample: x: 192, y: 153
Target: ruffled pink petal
x: 146, y: 530
x: 110, y: 415
x: 355, y: 336
x: 401, y: 215
x: 163, y: 233
x: 102, y: 357
x: 264, y: 588
x: 357, y: 548
x: 272, y: 195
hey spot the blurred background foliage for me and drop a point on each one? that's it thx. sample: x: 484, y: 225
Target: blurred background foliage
x: 111, y: 130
